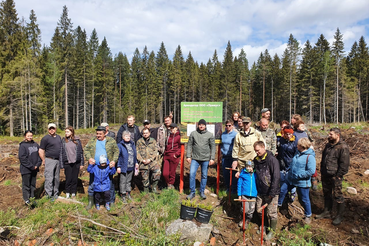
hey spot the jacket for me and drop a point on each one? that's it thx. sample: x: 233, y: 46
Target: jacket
x: 123, y: 128
x: 302, y: 168
x: 268, y: 173
x: 101, y: 176
x: 161, y: 138
x: 146, y: 149
x: 123, y: 157
x: 246, y: 185
x: 173, y: 145
x: 335, y: 159
x: 28, y: 157
x: 63, y: 159
x: 300, y: 134
x: 243, y: 148
x: 111, y: 147
x: 201, y: 146
x: 227, y: 143
x: 286, y: 151
x: 270, y: 140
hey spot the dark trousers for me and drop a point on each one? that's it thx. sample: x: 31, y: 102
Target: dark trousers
x: 100, y: 197
x: 169, y: 168
x: 28, y: 185
x: 71, y: 171
x: 332, y: 188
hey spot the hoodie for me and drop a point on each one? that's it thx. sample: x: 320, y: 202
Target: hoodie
x: 173, y: 145
x: 28, y: 157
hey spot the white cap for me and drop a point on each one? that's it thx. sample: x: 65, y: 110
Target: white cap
x: 51, y: 125
x: 104, y: 124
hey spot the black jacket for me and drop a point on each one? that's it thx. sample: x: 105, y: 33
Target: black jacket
x: 335, y: 159
x: 123, y: 128
x: 268, y: 175
x: 28, y: 157
x: 63, y: 159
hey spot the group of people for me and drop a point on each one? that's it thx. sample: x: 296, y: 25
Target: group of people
x: 268, y: 166
x: 272, y: 165
x: 132, y: 152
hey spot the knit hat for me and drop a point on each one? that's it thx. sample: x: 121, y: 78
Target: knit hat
x: 288, y: 129
x: 202, y: 122
x: 250, y: 163
x: 264, y: 110
x: 103, y: 159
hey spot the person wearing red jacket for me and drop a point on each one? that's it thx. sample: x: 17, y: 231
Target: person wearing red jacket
x: 171, y: 156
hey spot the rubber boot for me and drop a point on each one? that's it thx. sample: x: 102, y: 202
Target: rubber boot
x: 146, y: 189
x: 314, y: 183
x: 327, y: 210
x: 339, y: 217
x: 90, y: 202
x: 273, y: 227
x: 155, y: 188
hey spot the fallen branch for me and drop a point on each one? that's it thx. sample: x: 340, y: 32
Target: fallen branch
x: 69, y: 200
x: 80, y: 229
x: 108, y: 227
x: 296, y: 208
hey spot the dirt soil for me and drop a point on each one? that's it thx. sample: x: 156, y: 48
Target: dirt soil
x: 353, y: 231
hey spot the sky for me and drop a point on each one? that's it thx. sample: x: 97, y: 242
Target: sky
x: 203, y: 26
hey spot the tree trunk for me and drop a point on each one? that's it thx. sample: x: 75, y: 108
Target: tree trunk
x: 337, y: 95
x: 11, y: 119
x: 311, y: 100
x: 324, y: 115
x: 29, y: 99
x: 66, y: 97
x: 77, y: 107
x: 84, y: 100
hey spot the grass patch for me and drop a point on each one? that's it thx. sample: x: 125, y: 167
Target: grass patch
x: 8, y: 182
x: 300, y: 235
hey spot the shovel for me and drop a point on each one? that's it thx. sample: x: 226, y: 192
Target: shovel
x: 243, y: 214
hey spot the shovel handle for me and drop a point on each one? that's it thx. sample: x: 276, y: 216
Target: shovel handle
x: 244, y: 200
x: 262, y: 207
x: 229, y: 168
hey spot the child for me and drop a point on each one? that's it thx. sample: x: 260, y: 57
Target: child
x: 102, y: 181
x: 246, y: 190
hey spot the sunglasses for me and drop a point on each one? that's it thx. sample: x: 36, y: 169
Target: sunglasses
x: 228, y: 125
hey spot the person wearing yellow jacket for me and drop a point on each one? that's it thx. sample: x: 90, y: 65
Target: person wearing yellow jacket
x: 243, y: 148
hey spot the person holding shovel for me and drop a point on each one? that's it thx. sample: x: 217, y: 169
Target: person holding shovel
x: 267, y: 168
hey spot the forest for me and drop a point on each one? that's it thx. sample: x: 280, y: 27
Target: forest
x: 76, y: 80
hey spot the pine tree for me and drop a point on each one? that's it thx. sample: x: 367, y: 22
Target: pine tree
x: 162, y: 62
x: 337, y: 51
x: 229, y: 81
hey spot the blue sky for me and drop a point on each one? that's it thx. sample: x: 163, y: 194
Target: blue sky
x: 202, y: 26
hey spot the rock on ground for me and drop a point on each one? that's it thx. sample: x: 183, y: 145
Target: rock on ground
x: 351, y: 190
x: 189, y: 230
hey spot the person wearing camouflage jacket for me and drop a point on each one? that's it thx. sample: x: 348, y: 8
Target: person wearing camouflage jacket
x: 147, y: 154
x: 268, y: 135
x: 97, y: 146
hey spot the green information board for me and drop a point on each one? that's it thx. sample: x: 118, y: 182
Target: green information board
x: 194, y: 111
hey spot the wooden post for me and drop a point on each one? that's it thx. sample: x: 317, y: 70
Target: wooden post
x: 182, y: 170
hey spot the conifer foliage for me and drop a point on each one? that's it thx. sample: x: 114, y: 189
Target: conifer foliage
x: 76, y: 80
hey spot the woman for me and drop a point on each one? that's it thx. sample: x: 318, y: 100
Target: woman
x: 71, y: 160
x: 126, y: 165
x: 235, y: 117
x: 171, y: 156
x: 300, y: 130
x: 30, y: 162
x: 226, y: 147
x: 302, y: 167
x: 286, y: 151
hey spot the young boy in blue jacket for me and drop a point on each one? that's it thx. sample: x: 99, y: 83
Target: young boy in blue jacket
x: 246, y: 190
x: 102, y: 181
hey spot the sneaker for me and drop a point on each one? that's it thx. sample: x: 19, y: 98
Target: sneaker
x: 129, y: 197
x: 97, y: 206
x: 202, y: 195
x: 170, y: 186
x: 28, y: 203
x: 191, y: 196
x: 73, y: 195
x: 107, y: 206
x: 67, y: 196
x: 240, y: 224
x: 124, y: 200
x: 292, y: 197
x: 307, y: 220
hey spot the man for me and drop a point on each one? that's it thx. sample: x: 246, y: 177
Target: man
x: 200, y: 152
x: 131, y: 127
x: 97, y: 146
x: 226, y: 147
x: 49, y: 153
x: 153, y: 131
x: 147, y: 155
x: 268, y: 135
x: 108, y: 132
x: 335, y: 163
x: 243, y: 149
x: 162, y: 134
x: 267, y: 168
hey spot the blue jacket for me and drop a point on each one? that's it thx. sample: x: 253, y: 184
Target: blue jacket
x: 246, y: 185
x: 227, y: 143
x: 299, y: 134
x: 286, y: 151
x: 101, y: 177
x: 123, y: 157
x: 302, y: 168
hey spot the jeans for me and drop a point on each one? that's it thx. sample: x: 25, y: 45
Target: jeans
x: 204, y: 174
x: 227, y: 162
x: 304, y: 199
x: 284, y: 187
x: 112, y: 190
